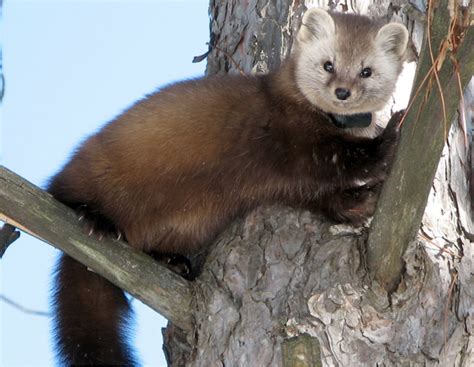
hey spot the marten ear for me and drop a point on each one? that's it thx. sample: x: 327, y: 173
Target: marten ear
x: 393, y: 37
x: 316, y: 23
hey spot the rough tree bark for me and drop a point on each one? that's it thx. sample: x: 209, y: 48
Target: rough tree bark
x: 288, y: 288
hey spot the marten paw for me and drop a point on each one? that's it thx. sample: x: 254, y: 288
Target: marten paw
x: 362, y: 203
x: 388, y: 144
x: 97, y: 225
x: 395, y: 120
x: 391, y: 134
x: 355, y: 205
x: 177, y: 263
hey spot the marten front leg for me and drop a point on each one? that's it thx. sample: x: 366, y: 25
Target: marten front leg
x: 363, y: 166
x: 350, y: 162
x: 353, y: 205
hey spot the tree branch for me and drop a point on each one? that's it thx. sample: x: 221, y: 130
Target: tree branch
x: 405, y: 193
x: 34, y: 211
x: 8, y: 235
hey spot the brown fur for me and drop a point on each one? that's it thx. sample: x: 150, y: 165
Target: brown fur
x: 176, y: 168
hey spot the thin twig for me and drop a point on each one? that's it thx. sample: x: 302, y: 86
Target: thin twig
x: 434, y: 63
x: 440, y: 248
x: 23, y: 309
x: 415, y: 95
x: 446, y: 309
x: 226, y: 54
x: 462, y: 106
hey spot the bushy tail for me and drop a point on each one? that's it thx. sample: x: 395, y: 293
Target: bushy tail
x: 90, y: 318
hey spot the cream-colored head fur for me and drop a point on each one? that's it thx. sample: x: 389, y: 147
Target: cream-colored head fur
x: 350, y: 43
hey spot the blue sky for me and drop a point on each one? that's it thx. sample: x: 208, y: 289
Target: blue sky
x: 71, y: 66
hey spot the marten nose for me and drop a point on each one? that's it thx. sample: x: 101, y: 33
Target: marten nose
x: 342, y: 93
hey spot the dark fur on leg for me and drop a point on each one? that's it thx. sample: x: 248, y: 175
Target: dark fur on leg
x: 90, y: 316
x: 97, y: 225
x: 189, y: 266
x: 352, y: 206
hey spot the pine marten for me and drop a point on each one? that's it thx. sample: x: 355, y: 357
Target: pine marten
x: 177, y: 167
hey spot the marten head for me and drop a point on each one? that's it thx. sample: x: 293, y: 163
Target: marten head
x: 348, y: 64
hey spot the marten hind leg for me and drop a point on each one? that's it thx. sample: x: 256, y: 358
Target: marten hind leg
x: 90, y: 318
x: 188, y: 266
x: 96, y: 224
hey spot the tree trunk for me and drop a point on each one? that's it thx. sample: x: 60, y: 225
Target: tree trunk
x: 283, y: 287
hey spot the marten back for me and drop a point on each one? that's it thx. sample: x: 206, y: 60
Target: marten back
x: 173, y: 170
x: 179, y: 165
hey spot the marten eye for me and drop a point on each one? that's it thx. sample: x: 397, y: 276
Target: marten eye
x: 366, y: 72
x: 328, y: 66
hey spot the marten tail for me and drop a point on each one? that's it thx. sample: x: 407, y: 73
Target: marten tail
x: 90, y: 318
